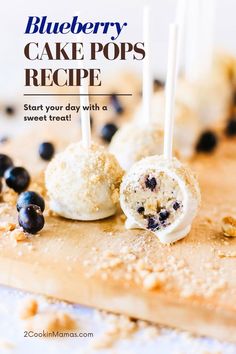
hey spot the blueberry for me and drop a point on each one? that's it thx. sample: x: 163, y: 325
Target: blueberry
x: 46, y: 151
x: 176, y: 205
x: 10, y: 110
x: 29, y: 197
x: 31, y: 218
x: 151, y: 183
x: 17, y: 178
x: 207, y: 142
x: 164, y: 215
x: 234, y: 98
x: 115, y: 101
x: 3, y: 139
x: 108, y: 131
x: 5, y: 163
x: 152, y: 224
x: 158, y: 84
x: 230, y: 129
x: 140, y: 210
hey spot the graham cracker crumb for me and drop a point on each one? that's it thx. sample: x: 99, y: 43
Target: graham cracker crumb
x: 119, y: 327
x: 5, y: 344
x: 50, y: 321
x: 229, y: 226
x: 29, y: 309
x: 10, y: 196
x: 222, y: 254
x: 153, y: 281
x: 18, y: 235
x: 7, y: 226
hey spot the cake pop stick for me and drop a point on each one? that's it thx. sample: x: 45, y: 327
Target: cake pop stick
x: 84, y: 104
x: 147, y: 80
x: 199, y: 39
x: 170, y: 89
x: 159, y: 193
x: 180, y: 19
x: 85, y: 115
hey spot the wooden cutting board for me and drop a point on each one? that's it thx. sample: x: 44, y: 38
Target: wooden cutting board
x: 189, y: 285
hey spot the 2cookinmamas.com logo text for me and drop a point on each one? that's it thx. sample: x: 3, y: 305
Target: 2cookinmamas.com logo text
x: 57, y: 334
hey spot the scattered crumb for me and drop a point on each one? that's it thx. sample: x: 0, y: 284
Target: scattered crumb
x: 229, y: 226
x: 222, y: 254
x: 50, y: 321
x: 4, y: 344
x: 7, y: 226
x: 119, y: 327
x: 29, y: 308
x: 153, y: 281
x: 18, y: 235
x: 10, y: 196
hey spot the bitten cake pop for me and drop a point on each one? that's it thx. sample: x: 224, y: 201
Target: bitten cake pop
x: 83, y: 181
x: 136, y: 140
x: 162, y: 196
x: 159, y: 193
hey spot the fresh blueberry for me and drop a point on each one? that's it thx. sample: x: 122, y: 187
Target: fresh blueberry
x: 152, y: 224
x: 115, y: 101
x: 234, y: 98
x: 3, y: 139
x: 140, y: 210
x: 46, y: 151
x: 10, y: 110
x: 17, y: 178
x: 230, y: 129
x: 151, y: 183
x: 31, y: 218
x: 176, y: 205
x: 108, y: 131
x: 207, y: 142
x: 30, y: 197
x: 5, y: 163
x: 158, y: 84
x: 164, y: 215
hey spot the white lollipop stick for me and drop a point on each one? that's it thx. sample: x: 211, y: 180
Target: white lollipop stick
x: 192, y: 41
x: 147, y: 79
x: 84, y: 102
x: 170, y: 89
x: 180, y: 19
x: 85, y: 115
x: 206, y: 33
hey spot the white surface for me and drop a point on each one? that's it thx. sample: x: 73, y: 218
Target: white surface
x: 165, y: 342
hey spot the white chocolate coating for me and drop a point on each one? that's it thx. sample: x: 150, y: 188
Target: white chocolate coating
x: 210, y: 99
x: 187, y: 126
x: 175, y: 193
x: 83, y: 184
x: 134, y: 141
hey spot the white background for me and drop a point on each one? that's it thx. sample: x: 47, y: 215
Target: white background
x: 13, y: 19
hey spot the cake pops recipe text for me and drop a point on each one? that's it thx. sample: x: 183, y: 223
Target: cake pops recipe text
x: 76, y: 51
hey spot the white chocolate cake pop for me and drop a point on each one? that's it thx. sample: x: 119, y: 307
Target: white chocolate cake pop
x: 162, y: 196
x: 83, y: 183
x: 210, y: 99
x: 134, y: 141
x: 187, y: 125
